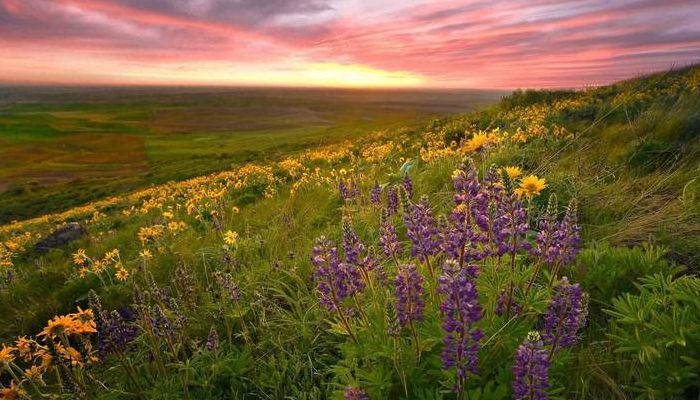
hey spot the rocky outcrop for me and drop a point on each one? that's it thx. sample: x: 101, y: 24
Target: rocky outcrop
x: 61, y: 237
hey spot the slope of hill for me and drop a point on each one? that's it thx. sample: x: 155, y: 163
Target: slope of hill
x: 422, y: 262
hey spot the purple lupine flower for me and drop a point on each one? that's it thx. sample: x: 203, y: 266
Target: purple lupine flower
x: 226, y: 283
x: 117, y: 332
x: 336, y: 281
x: 565, y: 316
x: 161, y: 323
x: 409, y: 295
x: 466, y: 182
x: 407, y: 186
x: 354, y: 189
x: 461, y: 310
x: 510, y: 226
x: 501, y: 304
x: 546, y: 243
x: 354, y: 393
x: 213, y: 340
x: 375, y: 196
x: 343, y: 190
x: 389, y: 240
x: 392, y: 200
x: 461, y: 238
x: 357, y: 256
x: 421, y: 229
x: 568, y: 235
x: 531, y: 369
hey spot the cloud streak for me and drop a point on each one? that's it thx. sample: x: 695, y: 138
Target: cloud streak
x: 453, y: 43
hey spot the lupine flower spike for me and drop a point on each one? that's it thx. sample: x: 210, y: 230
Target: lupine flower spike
x: 531, y: 369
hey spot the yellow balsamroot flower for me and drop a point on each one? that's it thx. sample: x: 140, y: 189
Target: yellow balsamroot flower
x: 145, y: 254
x: 513, y: 172
x: 121, y: 274
x: 7, y: 354
x: 58, y: 325
x: 33, y: 373
x: 531, y: 186
x: 25, y: 347
x: 235, y: 210
x: 13, y: 392
x: 230, y: 238
x: 84, y: 321
x: 79, y: 257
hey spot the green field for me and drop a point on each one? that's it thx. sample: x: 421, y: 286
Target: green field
x: 63, y: 147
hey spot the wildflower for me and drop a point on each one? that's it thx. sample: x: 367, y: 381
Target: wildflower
x: 343, y: 190
x: 7, y: 354
x: 84, y: 321
x: 57, y: 326
x: 235, y: 210
x: 513, y: 172
x: 145, y: 254
x: 407, y: 185
x: 392, y: 200
x: 531, y: 369
x: 568, y: 235
x: 226, y: 283
x: 25, y: 347
x: 356, y: 253
x: 79, y: 257
x: 421, y: 229
x: 121, y: 274
x: 461, y: 310
x: 117, y: 333
x: 14, y: 392
x: 565, y: 316
x: 354, y: 393
x: 336, y: 281
x: 389, y: 240
x: 409, y: 295
x: 530, y: 186
x: 213, y: 340
x: 230, y: 238
x: 546, y: 244
x: 376, y: 195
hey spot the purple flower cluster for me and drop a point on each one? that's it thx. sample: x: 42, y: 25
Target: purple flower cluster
x: 409, y: 295
x: 558, y: 242
x: 565, y: 316
x: 531, y: 369
x: 461, y: 310
x: 389, y: 240
x: 117, y: 332
x: 407, y: 185
x: 336, y: 280
x: 356, y: 252
x: 213, y: 340
x: 421, y: 229
x: 227, y: 285
x: 354, y: 393
x: 569, y: 235
x: 375, y: 196
x: 392, y: 200
x: 348, y: 192
x: 510, y: 226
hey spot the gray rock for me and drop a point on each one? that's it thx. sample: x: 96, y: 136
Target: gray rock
x: 61, y: 237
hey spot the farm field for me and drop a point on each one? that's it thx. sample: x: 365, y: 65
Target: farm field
x: 330, y: 245
x: 63, y: 147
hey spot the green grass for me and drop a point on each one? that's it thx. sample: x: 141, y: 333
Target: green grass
x: 66, y: 147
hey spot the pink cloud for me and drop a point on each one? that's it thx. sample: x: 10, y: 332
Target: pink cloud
x: 518, y: 43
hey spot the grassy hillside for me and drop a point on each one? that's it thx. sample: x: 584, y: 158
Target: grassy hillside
x: 444, y: 278
x: 64, y: 147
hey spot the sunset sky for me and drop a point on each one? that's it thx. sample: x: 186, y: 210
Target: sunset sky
x: 376, y: 43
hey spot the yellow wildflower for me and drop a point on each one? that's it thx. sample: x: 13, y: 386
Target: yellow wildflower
x: 230, y: 238
x: 146, y: 254
x: 7, y: 354
x: 513, y: 172
x: 13, y: 392
x: 121, y: 274
x: 531, y: 186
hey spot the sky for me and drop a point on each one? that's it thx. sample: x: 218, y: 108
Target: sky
x: 347, y: 43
